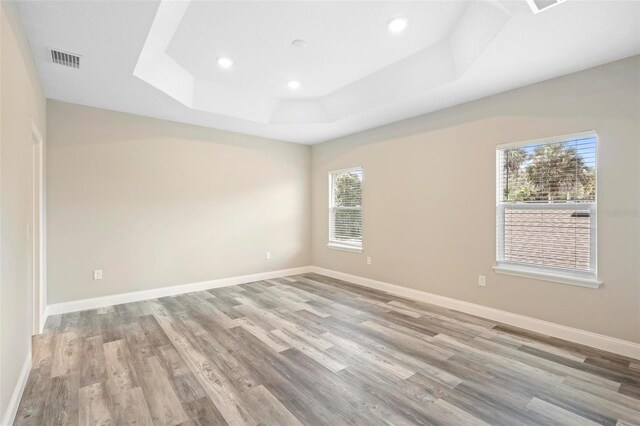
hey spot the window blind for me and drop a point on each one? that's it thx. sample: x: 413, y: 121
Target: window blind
x: 345, y: 207
x: 546, y: 204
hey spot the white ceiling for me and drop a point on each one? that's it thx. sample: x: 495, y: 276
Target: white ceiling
x: 158, y: 58
x: 345, y: 42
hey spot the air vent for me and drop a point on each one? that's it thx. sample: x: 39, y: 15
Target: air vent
x: 539, y: 5
x: 64, y: 58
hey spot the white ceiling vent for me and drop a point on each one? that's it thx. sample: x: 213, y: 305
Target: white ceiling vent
x: 539, y: 5
x: 65, y: 58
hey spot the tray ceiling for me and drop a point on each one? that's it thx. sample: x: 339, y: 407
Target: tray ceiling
x: 159, y: 59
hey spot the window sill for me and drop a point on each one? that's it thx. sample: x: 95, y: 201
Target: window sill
x: 524, y: 272
x: 338, y: 246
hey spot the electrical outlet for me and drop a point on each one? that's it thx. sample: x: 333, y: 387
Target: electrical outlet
x: 368, y: 260
x: 482, y: 281
x: 97, y: 274
x: 268, y: 256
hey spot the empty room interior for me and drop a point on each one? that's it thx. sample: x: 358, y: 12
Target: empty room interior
x: 320, y: 212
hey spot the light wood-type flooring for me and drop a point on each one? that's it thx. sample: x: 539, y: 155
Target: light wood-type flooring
x: 313, y: 350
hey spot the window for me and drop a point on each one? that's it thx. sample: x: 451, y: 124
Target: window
x: 345, y: 209
x: 546, y: 209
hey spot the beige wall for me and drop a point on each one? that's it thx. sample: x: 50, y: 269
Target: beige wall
x: 155, y: 203
x: 22, y: 100
x: 429, y: 198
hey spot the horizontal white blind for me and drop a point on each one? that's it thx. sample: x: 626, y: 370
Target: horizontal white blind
x: 558, y: 237
x: 345, y: 207
x: 546, y: 204
x: 562, y: 171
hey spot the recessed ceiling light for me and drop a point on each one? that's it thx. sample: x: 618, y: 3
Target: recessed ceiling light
x: 293, y: 84
x: 397, y: 25
x: 299, y: 43
x: 225, y: 62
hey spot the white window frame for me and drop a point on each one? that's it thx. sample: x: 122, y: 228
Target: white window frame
x: 343, y: 245
x: 540, y: 272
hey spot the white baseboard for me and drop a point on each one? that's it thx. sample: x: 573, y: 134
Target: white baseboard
x: 598, y: 341
x: 117, y: 299
x: 18, y: 390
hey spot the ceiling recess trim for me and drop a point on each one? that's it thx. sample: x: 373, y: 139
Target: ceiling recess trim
x: 436, y: 65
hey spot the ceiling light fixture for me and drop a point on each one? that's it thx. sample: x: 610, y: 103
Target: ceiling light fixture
x: 225, y: 62
x: 397, y: 25
x: 293, y: 85
x: 299, y: 43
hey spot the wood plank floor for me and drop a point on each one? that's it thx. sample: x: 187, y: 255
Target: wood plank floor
x: 313, y: 350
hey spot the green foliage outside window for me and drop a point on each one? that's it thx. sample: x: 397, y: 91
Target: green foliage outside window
x: 548, y: 173
x: 348, y: 190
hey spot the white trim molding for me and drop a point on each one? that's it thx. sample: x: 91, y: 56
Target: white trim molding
x: 589, y: 282
x: 117, y: 299
x: 583, y: 337
x: 41, y: 285
x: 550, y: 139
x: 337, y: 246
x: 36, y: 131
x: 18, y: 390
